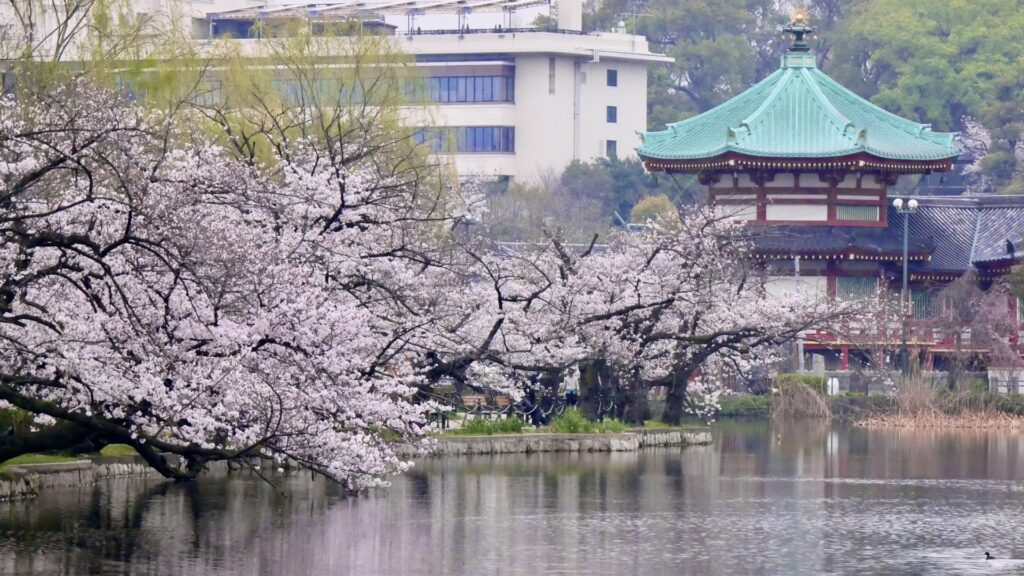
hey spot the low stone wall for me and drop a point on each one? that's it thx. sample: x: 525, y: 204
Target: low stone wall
x: 27, y: 480
x: 531, y: 443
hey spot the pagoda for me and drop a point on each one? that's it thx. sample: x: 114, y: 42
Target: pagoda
x: 811, y: 162
x: 797, y: 147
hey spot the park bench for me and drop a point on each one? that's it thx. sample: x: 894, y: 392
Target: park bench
x: 487, y: 407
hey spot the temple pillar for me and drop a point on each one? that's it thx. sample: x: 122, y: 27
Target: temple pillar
x: 844, y: 358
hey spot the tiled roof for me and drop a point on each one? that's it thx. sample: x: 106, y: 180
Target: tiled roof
x: 825, y: 240
x: 797, y: 112
x: 957, y: 232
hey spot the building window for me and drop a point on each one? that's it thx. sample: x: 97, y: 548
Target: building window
x: 551, y: 75
x: 613, y: 77
x: 922, y: 303
x: 611, y: 114
x: 209, y: 93
x: 854, y: 288
x: 468, y: 139
x: 447, y: 89
x: 611, y: 148
x: 847, y: 212
x: 8, y: 82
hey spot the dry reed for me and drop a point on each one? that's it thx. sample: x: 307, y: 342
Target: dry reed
x: 937, y: 419
x: 798, y: 400
x: 919, y: 405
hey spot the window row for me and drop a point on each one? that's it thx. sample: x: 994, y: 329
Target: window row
x: 855, y: 212
x: 471, y: 89
x: 856, y: 287
x: 336, y: 90
x: 460, y: 139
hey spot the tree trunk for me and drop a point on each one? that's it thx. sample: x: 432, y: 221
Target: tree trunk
x: 673, y: 413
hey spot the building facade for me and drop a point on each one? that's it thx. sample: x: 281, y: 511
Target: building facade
x: 808, y: 165
x: 512, y: 102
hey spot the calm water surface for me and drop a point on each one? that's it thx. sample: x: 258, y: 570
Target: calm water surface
x: 764, y: 499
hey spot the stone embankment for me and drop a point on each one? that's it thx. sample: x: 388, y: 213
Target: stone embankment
x: 531, y: 443
x: 27, y: 480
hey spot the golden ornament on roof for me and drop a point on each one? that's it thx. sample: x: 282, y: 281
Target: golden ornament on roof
x: 801, y: 16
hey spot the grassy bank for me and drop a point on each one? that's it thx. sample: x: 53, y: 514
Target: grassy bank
x: 37, y: 459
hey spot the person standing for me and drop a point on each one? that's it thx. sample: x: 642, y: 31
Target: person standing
x: 572, y: 386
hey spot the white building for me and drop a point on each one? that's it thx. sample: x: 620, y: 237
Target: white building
x: 516, y: 101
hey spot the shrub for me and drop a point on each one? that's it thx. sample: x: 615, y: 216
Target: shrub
x: 851, y: 405
x: 795, y: 398
x: 816, y: 383
x: 572, y: 421
x: 744, y: 406
x: 484, y: 427
x: 609, y: 426
x: 917, y: 395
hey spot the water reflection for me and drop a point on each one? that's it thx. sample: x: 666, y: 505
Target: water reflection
x: 796, y: 498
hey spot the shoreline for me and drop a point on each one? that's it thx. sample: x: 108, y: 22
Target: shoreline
x: 629, y: 441
x: 970, y: 420
x: 25, y: 481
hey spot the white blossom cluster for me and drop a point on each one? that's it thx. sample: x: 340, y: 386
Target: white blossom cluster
x: 159, y: 288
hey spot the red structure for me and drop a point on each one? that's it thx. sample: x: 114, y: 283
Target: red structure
x: 812, y: 164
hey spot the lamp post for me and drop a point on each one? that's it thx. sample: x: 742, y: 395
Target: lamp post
x: 906, y: 209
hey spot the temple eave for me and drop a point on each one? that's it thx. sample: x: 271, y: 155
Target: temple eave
x: 731, y: 161
x: 844, y: 254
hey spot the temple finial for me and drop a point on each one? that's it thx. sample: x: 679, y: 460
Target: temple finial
x: 800, y: 28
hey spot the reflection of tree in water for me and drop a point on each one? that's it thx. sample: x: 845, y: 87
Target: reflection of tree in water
x: 803, y: 434
x: 136, y: 522
x: 80, y: 528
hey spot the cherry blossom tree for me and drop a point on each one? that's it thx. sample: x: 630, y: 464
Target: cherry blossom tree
x: 682, y: 307
x: 159, y: 290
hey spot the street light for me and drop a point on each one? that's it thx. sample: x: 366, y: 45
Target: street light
x: 906, y: 208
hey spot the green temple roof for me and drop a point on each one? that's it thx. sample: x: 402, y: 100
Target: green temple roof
x: 798, y: 113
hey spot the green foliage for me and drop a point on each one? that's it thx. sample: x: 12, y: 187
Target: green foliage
x: 572, y: 421
x: 617, y: 185
x: 979, y: 399
x: 37, y: 459
x: 1011, y: 403
x: 654, y: 209
x: 937, y: 61
x: 16, y: 420
x: 544, y: 22
x: 587, y: 199
x: 816, y: 383
x: 744, y: 406
x: 850, y: 405
x: 1016, y: 280
x: 720, y: 48
x: 118, y: 450
x: 485, y: 427
x: 609, y: 426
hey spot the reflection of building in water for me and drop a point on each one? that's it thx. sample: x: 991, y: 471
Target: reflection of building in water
x: 761, y: 500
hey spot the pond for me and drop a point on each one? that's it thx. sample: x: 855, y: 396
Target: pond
x: 764, y: 499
